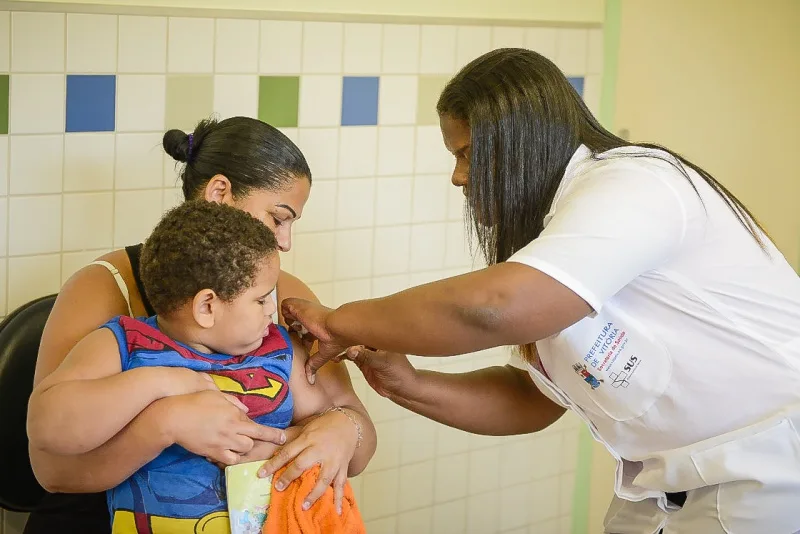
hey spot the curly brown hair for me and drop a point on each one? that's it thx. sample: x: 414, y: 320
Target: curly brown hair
x: 203, y: 245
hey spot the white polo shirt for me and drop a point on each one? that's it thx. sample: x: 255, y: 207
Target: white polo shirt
x: 695, y: 334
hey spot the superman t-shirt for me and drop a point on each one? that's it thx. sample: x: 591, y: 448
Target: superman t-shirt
x: 179, y: 491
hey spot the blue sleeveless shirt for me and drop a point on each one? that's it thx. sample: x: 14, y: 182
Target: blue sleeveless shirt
x: 179, y: 491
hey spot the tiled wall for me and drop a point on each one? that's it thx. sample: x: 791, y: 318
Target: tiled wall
x: 84, y: 101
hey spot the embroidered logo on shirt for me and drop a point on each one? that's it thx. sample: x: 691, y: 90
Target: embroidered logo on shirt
x: 588, y: 377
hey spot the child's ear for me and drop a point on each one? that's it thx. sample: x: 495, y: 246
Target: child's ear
x: 204, y: 306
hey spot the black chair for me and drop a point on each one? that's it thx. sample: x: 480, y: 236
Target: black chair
x: 20, y: 335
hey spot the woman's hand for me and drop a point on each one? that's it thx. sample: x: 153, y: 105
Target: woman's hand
x: 214, y: 425
x: 329, y: 441
x: 388, y: 373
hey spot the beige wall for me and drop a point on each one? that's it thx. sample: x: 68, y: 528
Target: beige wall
x: 717, y: 81
x: 577, y: 11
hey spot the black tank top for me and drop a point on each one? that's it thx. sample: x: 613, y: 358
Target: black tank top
x: 81, y: 513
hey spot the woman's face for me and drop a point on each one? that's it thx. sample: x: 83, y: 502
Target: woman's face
x: 455, y: 133
x: 278, y: 209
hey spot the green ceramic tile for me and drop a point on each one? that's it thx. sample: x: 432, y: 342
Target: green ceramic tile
x: 428, y: 91
x: 4, y: 104
x: 278, y: 97
x: 190, y: 98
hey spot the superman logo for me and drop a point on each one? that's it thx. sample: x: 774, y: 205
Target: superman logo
x: 260, y: 390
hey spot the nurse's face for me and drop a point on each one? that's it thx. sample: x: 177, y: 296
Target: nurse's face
x: 457, y: 140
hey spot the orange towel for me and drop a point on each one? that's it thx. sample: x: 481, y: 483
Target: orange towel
x: 286, y: 515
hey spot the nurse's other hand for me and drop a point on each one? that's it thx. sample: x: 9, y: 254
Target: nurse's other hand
x: 309, y: 320
x: 390, y: 374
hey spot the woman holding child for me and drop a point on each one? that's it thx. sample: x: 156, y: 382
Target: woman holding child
x: 250, y: 165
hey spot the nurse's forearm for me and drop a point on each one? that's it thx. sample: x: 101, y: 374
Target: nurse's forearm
x: 506, y: 304
x: 495, y: 401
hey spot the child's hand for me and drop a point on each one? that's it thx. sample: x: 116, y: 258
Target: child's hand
x: 183, y: 381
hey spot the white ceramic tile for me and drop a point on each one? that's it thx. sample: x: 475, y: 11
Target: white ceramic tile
x: 416, y: 486
x: 3, y: 302
x: 356, y: 204
x: 542, y: 40
x: 380, y: 494
x: 320, y: 210
x: 516, y: 463
x: 387, y: 455
x: 545, y: 500
x: 141, y: 100
x: 393, y: 200
x: 398, y: 100
x: 508, y: 37
x: 322, y: 47
x: 383, y: 286
x: 236, y: 95
x: 37, y: 42
x: 451, y: 477
x: 88, y: 161
x: 139, y: 161
x: 321, y: 149
x: 594, y: 61
x: 236, y: 46
x: 34, y: 225
x: 515, y: 503
x: 72, y: 262
x: 3, y: 231
x: 351, y: 290
x: 320, y: 101
x: 571, y: 48
x: 569, y: 449
x: 135, y: 215
x: 438, y: 49
x: 382, y: 409
x: 483, y: 514
x: 362, y: 48
x: 427, y: 246
x: 484, y: 470
x: 293, y: 135
x: 287, y: 260
x: 88, y: 221
x: 455, y: 203
x: 172, y: 197
x: 190, y: 47
x: 400, y: 48
x: 395, y: 150
x: 36, y: 103
x: 566, y: 493
x: 565, y: 524
x: 3, y: 165
x: 450, y: 517
x: 548, y: 451
x: 323, y: 291
x: 392, y: 246
x: 31, y: 172
x: 353, y: 253
x: 357, y: 151
x: 281, y: 47
x: 387, y: 525
x: 314, y: 257
x: 450, y: 440
x: 430, y: 197
x: 31, y: 277
x: 472, y: 42
x: 142, y: 44
x: 419, y: 278
x: 592, y: 91
x: 457, y: 253
x: 91, y: 43
x: 431, y: 155
x: 5, y: 43
x: 415, y: 521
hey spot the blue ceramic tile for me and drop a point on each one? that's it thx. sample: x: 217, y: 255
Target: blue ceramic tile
x: 577, y: 83
x: 90, y: 103
x: 360, y: 101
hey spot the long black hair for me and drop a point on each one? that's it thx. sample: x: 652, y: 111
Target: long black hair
x: 250, y: 153
x: 526, y: 122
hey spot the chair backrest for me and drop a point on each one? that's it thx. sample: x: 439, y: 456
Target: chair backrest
x: 20, y: 335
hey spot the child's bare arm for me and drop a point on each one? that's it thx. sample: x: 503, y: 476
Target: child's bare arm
x: 88, y: 399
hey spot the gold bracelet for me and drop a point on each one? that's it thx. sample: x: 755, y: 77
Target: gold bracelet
x: 352, y: 420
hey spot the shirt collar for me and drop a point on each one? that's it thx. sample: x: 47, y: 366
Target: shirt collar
x: 582, y: 153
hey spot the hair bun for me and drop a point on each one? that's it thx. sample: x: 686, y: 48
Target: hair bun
x: 176, y: 144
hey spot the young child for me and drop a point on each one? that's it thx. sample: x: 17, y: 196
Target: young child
x: 208, y: 270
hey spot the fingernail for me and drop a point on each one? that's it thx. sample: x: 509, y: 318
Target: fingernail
x: 263, y: 474
x: 306, y: 505
x: 312, y: 379
x: 283, y: 438
x: 339, y: 510
x: 280, y: 485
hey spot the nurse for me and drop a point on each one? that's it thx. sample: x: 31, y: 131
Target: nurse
x: 641, y: 293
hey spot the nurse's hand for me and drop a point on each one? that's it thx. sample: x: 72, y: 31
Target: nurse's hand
x: 390, y: 374
x: 309, y: 320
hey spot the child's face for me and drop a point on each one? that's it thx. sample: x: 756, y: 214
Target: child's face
x: 245, y: 320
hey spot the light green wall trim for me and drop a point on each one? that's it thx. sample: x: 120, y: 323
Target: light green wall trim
x: 611, y: 30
